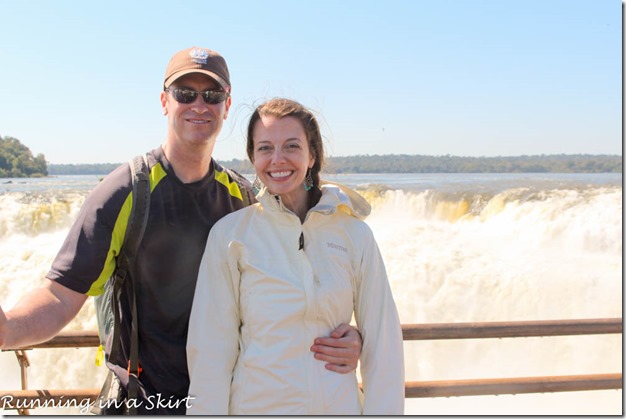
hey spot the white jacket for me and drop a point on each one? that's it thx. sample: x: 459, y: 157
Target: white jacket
x: 260, y: 302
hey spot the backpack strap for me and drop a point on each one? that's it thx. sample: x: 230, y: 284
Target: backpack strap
x: 140, y: 175
x: 138, y: 218
x: 246, y: 192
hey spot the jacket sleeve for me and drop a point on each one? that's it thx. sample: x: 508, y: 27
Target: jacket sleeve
x: 213, y: 340
x: 382, y: 356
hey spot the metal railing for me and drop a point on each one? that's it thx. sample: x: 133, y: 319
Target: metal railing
x: 414, y: 389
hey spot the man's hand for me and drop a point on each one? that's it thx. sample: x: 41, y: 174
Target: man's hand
x: 3, y: 326
x: 341, y: 350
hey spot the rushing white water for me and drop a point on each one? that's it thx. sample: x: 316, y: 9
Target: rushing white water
x: 458, y: 248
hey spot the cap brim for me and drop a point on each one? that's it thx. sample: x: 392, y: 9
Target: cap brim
x: 171, y: 79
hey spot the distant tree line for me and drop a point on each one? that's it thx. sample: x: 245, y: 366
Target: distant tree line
x: 404, y: 163
x: 82, y: 169
x: 16, y: 160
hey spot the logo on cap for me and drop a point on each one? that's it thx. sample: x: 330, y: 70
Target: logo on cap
x: 199, y: 56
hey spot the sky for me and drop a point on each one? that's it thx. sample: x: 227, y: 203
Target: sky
x: 81, y: 80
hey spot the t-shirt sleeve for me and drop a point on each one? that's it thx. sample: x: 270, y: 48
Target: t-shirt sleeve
x: 86, y: 258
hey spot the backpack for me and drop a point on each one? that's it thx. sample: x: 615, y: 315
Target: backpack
x: 110, y: 398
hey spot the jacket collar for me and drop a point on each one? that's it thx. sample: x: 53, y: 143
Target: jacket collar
x: 335, y: 197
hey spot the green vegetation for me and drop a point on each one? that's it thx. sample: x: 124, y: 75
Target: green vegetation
x: 403, y: 163
x: 560, y: 163
x: 16, y: 160
x: 82, y: 169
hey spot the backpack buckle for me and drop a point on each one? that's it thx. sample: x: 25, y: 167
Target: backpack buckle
x: 135, y: 373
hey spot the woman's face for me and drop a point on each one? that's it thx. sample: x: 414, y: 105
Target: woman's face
x: 282, y: 156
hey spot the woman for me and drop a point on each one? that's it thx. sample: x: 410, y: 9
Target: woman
x: 287, y: 269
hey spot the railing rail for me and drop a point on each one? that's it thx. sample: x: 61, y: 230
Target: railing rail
x: 519, y: 385
x: 516, y: 329
x: 434, y: 331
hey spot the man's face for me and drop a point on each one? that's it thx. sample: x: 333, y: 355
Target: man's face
x: 197, y: 123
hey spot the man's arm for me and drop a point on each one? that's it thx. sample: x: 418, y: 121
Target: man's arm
x: 39, y: 316
x: 341, y: 350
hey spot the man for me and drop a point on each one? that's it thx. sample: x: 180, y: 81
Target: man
x: 190, y: 192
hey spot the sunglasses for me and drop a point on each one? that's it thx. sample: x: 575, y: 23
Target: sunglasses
x: 186, y: 96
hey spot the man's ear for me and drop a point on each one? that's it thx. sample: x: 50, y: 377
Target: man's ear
x: 227, y: 105
x: 164, y: 102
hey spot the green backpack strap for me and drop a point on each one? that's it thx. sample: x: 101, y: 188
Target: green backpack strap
x: 108, y: 304
x: 137, y: 222
x: 138, y: 219
x: 246, y: 193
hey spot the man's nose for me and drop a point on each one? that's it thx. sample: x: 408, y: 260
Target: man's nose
x: 199, y: 105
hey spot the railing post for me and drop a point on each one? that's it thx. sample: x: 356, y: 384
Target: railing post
x: 22, y: 359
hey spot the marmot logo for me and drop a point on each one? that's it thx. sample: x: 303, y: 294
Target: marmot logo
x: 336, y: 246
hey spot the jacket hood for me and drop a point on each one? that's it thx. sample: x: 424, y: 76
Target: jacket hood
x: 335, y: 196
x: 344, y: 199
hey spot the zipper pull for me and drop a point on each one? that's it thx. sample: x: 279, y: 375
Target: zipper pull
x: 301, y: 241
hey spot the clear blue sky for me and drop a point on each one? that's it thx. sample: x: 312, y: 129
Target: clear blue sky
x: 81, y: 80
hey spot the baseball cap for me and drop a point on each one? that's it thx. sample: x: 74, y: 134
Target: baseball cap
x: 197, y: 60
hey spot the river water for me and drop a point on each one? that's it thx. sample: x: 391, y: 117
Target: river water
x: 458, y: 248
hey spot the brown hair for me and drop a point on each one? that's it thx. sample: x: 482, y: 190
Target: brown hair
x: 280, y: 108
